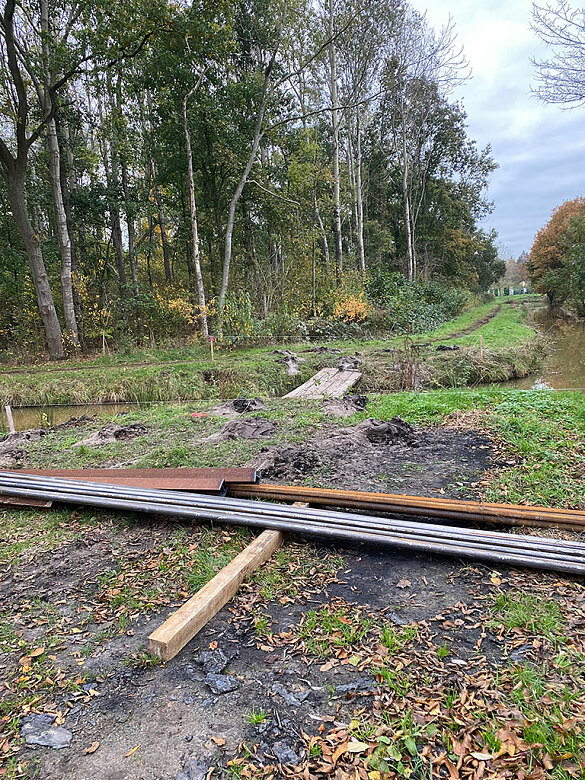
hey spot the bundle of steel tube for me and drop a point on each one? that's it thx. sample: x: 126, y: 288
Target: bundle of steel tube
x: 492, y: 546
x: 443, y: 508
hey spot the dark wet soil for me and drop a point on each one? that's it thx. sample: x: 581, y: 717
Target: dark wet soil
x: 418, y: 461
x: 172, y: 717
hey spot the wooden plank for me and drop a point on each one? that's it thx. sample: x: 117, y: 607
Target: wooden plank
x: 327, y: 383
x: 167, y: 640
x: 37, y: 503
x: 10, y: 419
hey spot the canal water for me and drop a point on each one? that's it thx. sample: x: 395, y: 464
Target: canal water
x: 564, y: 368
x: 27, y: 417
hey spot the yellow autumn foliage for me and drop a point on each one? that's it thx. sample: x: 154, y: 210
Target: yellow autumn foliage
x: 350, y: 307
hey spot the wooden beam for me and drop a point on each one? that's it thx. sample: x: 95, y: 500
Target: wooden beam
x: 37, y: 503
x: 167, y: 640
x: 10, y: 419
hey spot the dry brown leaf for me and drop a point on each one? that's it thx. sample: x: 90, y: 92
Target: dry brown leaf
x: 92, y: 748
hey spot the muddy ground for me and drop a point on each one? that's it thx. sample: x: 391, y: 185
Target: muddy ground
x: 131, y: 720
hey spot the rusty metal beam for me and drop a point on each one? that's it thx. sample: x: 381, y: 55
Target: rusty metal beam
x: 501, y: 514
x: 228, y: 475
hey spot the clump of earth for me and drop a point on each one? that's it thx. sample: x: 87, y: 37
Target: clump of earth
x: 244, y: 428
x: 233, y: 409
x: 111, y: 433
x: 385, y: 456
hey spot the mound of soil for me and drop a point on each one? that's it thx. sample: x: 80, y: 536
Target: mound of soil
x: 394, y: 431
x: 14, y: 458
x: 345, y: 407
x: 391, y: 457
x: 21, y: 437
x: 247, y: 428
x: 111, y: 433
x: 233, y: 409
x: 290, y: 359
x: 349, y: 363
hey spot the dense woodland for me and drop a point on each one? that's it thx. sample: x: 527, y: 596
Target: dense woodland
x: 235, y: 167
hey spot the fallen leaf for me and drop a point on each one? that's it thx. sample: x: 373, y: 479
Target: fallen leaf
x: 403, y: 584
x: 131, y: 752
x: 92, y: 748
x: 218, y: 741
x: 357, y: 747
x: 36, y: 652
x: 482, y: 756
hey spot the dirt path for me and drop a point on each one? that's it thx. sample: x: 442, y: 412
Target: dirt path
x: 472, y: 328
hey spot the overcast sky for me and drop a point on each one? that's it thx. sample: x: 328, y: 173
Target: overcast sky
x: 540, y: 149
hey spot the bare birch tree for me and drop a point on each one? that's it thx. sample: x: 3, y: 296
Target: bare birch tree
x: 561, y: 78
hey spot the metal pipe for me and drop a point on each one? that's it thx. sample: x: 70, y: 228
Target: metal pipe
x: 330, y: 530
x: 331, y: 497
x: 353, y: 521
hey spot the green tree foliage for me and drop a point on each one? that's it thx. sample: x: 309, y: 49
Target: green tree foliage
x: 556, y: 256
x: 259, y: 126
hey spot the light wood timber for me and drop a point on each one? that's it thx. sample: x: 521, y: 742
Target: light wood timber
x: 327, y: 383
x: 167, y: 640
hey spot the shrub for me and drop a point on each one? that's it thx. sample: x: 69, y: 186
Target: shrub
x: 417, y: 307
x: 351, y: 308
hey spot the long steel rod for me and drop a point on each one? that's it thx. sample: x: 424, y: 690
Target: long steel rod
x: 331, y: 497
x: 331, y: 530
x: 351, y: 520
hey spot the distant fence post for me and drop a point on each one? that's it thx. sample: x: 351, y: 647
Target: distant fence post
x: 10, y: 419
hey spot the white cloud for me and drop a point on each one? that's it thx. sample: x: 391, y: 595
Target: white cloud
x: 539, y: 148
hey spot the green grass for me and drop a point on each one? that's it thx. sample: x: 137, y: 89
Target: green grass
x: 549, y: 695
x: 394, y: 639
x: 22, y: 532
x: 544, y: 432
x: 322, y: 630
x: 189, y: 374
x: 523, y: 610
x: 256, y: 717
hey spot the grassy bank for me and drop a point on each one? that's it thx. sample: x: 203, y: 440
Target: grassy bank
x: 494, y: 344
x: 541, y: 434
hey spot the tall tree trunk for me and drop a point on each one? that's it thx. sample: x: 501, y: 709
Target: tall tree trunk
x: 119, y: 254
x: 63, y: 237
x: 15, y: 179
x: 229, y: 230
x: 410, y: 256
x: 359, y: 195
x: 163, y: 232
x: 335, y: 152
x: 131, y: 227
x: 68, y: 185
x: 324, y: 242
x: 352, y: 187
x: 193, y: 216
